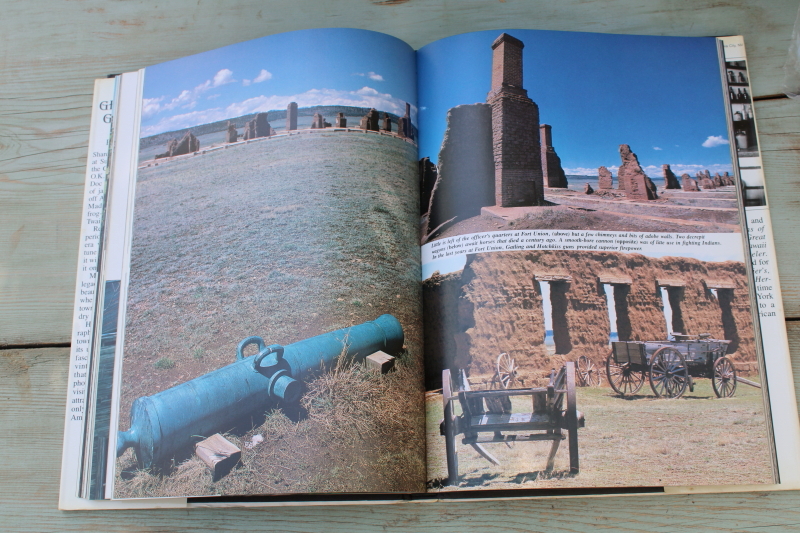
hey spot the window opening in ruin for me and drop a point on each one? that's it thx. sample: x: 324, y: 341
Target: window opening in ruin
x: 730, y: 331
x: 671, y: 298
x: 624, y: 329
x: 611, y: 304
x: 554, y: 307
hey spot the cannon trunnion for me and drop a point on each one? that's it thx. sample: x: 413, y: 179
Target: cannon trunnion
x: 172, y: 420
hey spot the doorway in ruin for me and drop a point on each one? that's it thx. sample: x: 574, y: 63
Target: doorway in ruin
x: 671, y: 298
x: 554, y: 308
x: 616, y: 290
x: 731, y: 333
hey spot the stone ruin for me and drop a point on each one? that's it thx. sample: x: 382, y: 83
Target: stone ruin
x: 604, y: 178
x: 387, y: 123
x: 515, y: 135
x: 291, y: 116
x: 186, y: 145
x: 465, y: 167
x: 371, y: 121
x: 258, y: 127
x: 718, y: 180
x: 427, y: 178
x: 670, y: 179
x: 231, y: 136
x: 587, y: 189
x: 318, y: 122
x: 689, y: 183
x: 340, y: 120
x: 552, y: 173
x: 705, y: 181
x: 632, y: 179
x: 404, y: 127
x: 494, y: 305
x: 727, y: 179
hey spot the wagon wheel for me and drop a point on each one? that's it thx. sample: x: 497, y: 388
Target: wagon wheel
x: 669, y: 374
x: 506, y: 371
x: 588, y: 374
x: 724, y: 379
x: 622, y: 378
x: 450, y: 428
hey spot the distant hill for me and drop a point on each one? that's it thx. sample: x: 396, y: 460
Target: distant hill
x: 328, y: 111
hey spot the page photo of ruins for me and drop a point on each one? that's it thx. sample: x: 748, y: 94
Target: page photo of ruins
x: 535, y: 129
x: 604, y: 133
x: 275, y: 217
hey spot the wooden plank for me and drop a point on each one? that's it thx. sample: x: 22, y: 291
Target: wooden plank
x: 380, y: 362
x: 219, y: 454
x: 32, y: 393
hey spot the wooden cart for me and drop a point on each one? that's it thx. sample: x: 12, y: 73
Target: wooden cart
x: 670, y: 366
x: 486, y: 417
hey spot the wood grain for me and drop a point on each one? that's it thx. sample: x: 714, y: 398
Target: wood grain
x: 49, y: 56
x: 32, y: 394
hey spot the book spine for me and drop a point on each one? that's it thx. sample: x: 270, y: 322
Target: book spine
x: 86, y: 290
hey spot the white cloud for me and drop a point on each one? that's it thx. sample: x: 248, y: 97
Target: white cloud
x: 374, y: 76
x: 245, y: 82
x: 656, y: 148
x: 151, y: 106
x: 264, y: 75
x: 714, y: 140
x: 583, y: 171
x: 655, y: 171
x: 223, y: 77
x: 364, y: 97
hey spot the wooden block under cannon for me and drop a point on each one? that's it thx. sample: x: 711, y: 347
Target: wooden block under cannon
x: 380, y: 362
x: 219, y: 454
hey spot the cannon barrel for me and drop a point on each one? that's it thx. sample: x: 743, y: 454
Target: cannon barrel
x: 171, y: 420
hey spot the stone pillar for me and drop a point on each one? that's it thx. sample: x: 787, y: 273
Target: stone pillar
x: 515, y: 132
x: 670, y: 179
x: 638, y: 186
x: 465, y: 167
x: 291, y: 116
x: 604, y: 178
x: 689, y: 183
x: 341, y: 121
x: 552, y: 173
x: 387, y: 123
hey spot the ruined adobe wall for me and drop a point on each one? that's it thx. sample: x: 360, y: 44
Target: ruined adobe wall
x: 440, y: 305
x: 499, y: 306
x: 499, y: 310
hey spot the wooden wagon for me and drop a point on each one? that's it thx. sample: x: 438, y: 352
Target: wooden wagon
x: 670, y: 366
x: 486, y: 416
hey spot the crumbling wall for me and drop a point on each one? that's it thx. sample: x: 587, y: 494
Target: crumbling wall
x: 465, y: 166
x: 498, y: 302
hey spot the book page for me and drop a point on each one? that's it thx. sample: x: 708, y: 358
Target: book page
x: 270, y: 336
x: 581, y: 221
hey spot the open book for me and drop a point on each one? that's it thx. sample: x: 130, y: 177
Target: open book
x: 321, y: 266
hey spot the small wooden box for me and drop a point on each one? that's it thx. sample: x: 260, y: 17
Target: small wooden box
x: 380, y: 362
x: 219, y: 454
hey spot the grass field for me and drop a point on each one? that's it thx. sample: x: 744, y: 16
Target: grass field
x: 285, y: 239
x: 640, y: 441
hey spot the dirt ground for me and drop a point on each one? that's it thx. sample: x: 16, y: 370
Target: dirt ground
x: 675, y: 211
x: 284, y: 239
x: 639, y: 441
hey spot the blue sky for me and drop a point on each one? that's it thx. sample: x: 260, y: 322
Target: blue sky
x: 310, y: 67
x: 661, y: 95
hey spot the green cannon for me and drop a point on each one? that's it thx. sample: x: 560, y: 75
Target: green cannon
x: 172, y: 420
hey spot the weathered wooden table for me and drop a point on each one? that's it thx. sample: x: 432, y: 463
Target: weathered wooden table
x: 49, y: 54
